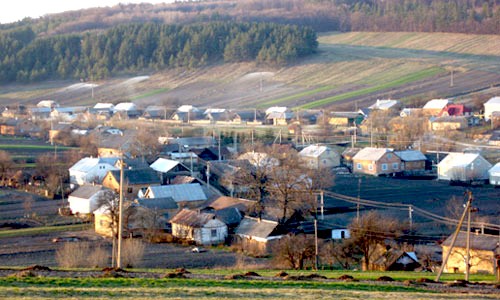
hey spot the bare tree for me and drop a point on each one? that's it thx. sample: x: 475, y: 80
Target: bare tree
x: 6, y: 164
x: 371, y: 230
x: 295, y: 251
x: 343, y: 253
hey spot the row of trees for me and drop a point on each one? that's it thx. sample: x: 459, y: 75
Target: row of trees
x: 465, y: 16
x: 138, y: 47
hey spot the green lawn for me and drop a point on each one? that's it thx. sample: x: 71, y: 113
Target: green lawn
x: 41, y: 230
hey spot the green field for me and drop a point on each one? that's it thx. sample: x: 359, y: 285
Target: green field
x: 154, y: 288
x: 42, y: 230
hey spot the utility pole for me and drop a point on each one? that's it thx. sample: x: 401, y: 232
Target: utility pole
x: 120, y: 218
x: 322, y: 203
x: 359, y: 198
x: 410, y: 211
x: 455, y: 235
x: 316, y: 256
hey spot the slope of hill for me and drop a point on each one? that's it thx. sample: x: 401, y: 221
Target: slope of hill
x: 349, y: 67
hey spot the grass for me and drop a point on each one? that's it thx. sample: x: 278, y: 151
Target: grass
x: 150, y: 93
x: 398, y: 82
x: 295, y: 96
x: 41, y: 230
x: 33, y: 147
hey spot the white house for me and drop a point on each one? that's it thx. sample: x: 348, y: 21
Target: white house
x: 84, y: 199
x: 91, y: 170
x: 491, y: 106
x: 494, y: 174
x: 202, y: 228
x: 340, y: 234
x: 463, y: 167
x: 318, y: 156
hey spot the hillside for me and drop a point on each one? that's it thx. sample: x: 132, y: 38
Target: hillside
x: 349, y: 69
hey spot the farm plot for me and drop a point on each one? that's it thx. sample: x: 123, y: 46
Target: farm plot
x: 26, y: 150
x: 430, y: 195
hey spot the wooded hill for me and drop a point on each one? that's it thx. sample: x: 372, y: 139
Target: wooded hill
x: 136, y: 47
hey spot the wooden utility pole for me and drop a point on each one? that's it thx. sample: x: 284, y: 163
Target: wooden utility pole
x: 120, y: 218
x: 455, y: 235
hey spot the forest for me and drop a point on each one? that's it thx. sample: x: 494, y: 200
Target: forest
x: 148, y: 46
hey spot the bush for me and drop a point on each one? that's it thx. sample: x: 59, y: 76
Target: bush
x: 81, y: 255
x: 133, y: 252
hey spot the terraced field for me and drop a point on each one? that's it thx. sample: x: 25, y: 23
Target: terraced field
x: 349, y: 67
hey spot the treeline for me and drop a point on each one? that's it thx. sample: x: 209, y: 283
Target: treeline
x: 136, y: 47
x: 461, y: 16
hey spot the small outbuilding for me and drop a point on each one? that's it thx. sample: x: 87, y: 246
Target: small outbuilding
x: 464, y: 167
x: 494, y: 174
x: 201, y: 228
x: 319, y: 156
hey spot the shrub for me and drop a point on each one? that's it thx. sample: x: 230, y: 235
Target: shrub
x: 81, y: 255
x: 133, y: 252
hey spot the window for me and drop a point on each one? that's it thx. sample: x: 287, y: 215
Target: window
x: 395, y: 166
x: 358, y: 166
x: 129, y: 190
x: 213, y: 233
x: 389, y: 155
x: 370, y: 167
x: 342, y: 234
x: 384, y: 167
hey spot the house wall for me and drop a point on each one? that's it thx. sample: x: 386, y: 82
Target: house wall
x: 183, y: 232
x: 256, y: 247
x: 109, y: 152
x: 102, y: 225
x: 495, y: 179
x: 340, y: 121
x: 489, y: 109
x: 207, y: 237
x: 377, y: 167
x: 81, y: 205
x: 328, y: 159
x: 414, y: 165
x: 481, y: 261
x: 477, y: 170
x: 439, y: 126
x: 7, y: 130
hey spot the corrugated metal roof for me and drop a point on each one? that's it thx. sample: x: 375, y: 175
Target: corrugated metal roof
x: 87, y: 163
x: 410, y: 155
x: 137, y: 176
x: 164, y: 165
x: 477, y: 241
x: 86, y: 191
x: 125, y: 106
x: 179, y: 192
x: 384, y: 104
x: 103, y: 106
x: 158, y: 203
x: 276, y: 109
x: 313, y: 151
x: 459, y: 159
x: 369, y: 153
x: 192, y: 218
x: 495, y: 170
x: 437, y: 103
x: 255, y: 228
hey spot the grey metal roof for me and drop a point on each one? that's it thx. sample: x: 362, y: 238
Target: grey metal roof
x: 477, y: 241
x: 86, y: 191
x: 179, y: 192
x: 158, y: 203
x: 229, y: 215
x: 254, y: 227
x: 192, y: 218
x: 369, y: 153
x: 137, y: 176
x: 410, y: 155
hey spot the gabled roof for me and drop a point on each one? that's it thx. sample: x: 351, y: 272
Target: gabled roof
x: 314, y: 151
x: 477, y: 241
x: 230, y: 202
x: 495, y: 170
x: 410, y: 155
x: 164, y: 165
x: 384, y: 104
x: 187, y: 108
x: 276, y: 109
x: 437, y: 104
x: 392, y: 256
x: 457, y: 159
x: 137, y: 176
x: 179, y: 192
x: 252, y: 227
x: 86, y: 191
x: 230, y: 216
x: 87, y: 163
x: 117, y: 141
x: 158, y: 203
x: 125, y: 106
x: 132, y: 163
x: 370, y: 153
x: 192, y: 218
x: 494, y: 100
x: 350, y: 152
x: 104, y: 106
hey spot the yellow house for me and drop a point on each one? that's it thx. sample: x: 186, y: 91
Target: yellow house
x: 448, y: 123
x: 484, y: 253
x: 103, y: 222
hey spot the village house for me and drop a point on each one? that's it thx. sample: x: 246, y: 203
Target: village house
x: 213, y: 153
x: 494, y: 174
x: 409, y: 112
x: 20, y: 127
x: 134, y: 180
x: 455, y: 110
x: 412, y: 161
x: 89, y: 170
x: 257, y: 236
x: 448, y: 123
x: 221, y: 115
x: 39, y: 113
x: 103, y: 221
x: 395, y: 260
x: 319, y: 156
x: 115, y: 145
x: 278, y: 116
x: 187, y: 144
x: 67, y: 114
x: 59, y: 128
x: 84, y: 200
x: 187, y: 113
x: 201, y: 228
x: 494, y: 139
x: 376, y: 161
x: 155, y: 112
x: 150, y: 215
x: 491, y: 106
x: 186, y: 195
x: 464, y: 167
x: 484, y: 253
x: 435, y: 106
x: 345, y: 119
x: 47, y: 104
x: 347, y: 156
x: 126, y: 110
x: 169, y: 169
